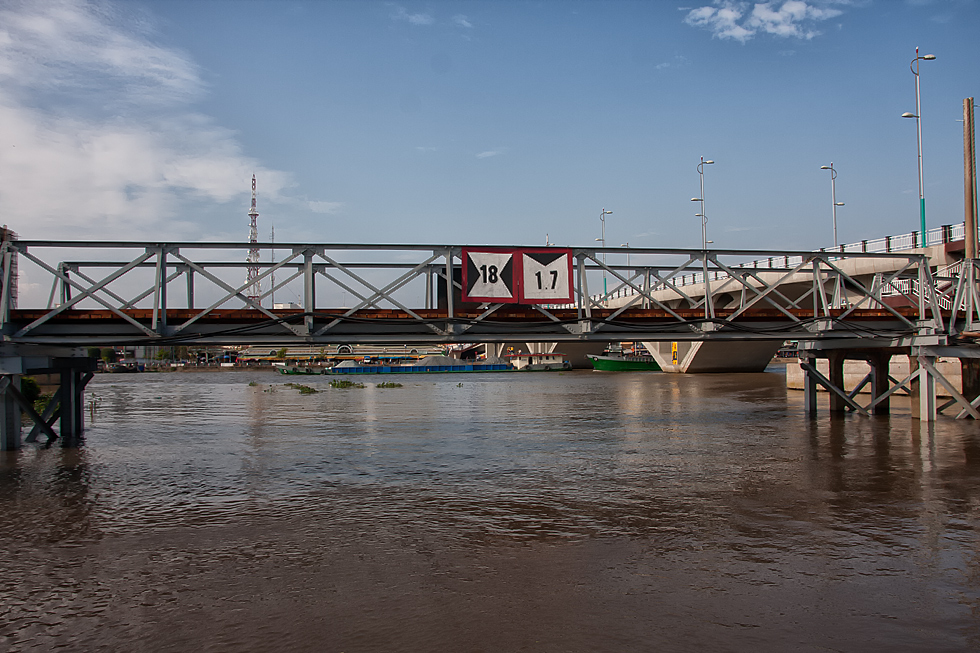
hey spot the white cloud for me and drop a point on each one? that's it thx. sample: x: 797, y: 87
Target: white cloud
x: 462, y: 21
x: 324, y: 207
x: 733, y: 19
x: 415, y: 19
x: 97, y: 134
x: 678, y: 61
x: 488, y: 154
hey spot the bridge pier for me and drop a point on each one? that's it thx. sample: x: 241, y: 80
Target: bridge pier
x: 840, y: 399
x: 66, y: 405
x: 836, y: 360
x: 880, y: 363
x: 921, y: 384
x: 692, y: 357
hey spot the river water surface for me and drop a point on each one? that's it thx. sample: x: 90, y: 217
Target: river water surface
x: 578, y: 511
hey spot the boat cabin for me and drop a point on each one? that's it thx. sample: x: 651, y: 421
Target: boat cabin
x: 535, y: 362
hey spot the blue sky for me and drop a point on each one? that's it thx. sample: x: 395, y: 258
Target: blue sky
x: 481, y: 122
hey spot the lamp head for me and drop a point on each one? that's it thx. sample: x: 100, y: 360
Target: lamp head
x: 696, y: 199
x: 825, y: 167
x: 909, y: 115
x: 929, y: 57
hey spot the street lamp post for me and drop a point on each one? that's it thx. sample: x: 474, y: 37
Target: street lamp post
x: 833, y: 194
x: 702, y: 215
x: 602, y: 218
x: 918, y: 130
x: 626, y: 245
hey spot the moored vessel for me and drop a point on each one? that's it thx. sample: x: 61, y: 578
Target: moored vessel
x: 428, y: 365
x: 618, y: 363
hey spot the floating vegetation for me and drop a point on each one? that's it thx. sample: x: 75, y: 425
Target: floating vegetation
x: 252, y: 384
x: 303, y: 389
x: 389, y: 384
x: 344, y: 383
x: 459, y: 385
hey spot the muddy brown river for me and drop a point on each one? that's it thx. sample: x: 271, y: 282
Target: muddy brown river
x: 578, y: 511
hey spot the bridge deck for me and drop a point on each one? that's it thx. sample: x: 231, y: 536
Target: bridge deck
x: 83, y: 327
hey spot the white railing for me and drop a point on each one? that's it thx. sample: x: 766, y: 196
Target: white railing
x: 900, y: 243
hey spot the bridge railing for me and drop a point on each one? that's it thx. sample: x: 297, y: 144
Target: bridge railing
x: 901, y: 243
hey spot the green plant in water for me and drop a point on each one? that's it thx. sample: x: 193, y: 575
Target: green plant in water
x: 344, y: 383
x: 389, y: 384
x: 252, y: 384
x: 303, y: 389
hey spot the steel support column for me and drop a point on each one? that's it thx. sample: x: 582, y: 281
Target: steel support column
x: 309, y: 290
x: 836, y: 359
x: 10, y: 426
x: 880, y: 364
x: 970, y: 375
x: 914, y: 386
x: 927, y: 390
x: 190, y: 287
x: 71, y: 414
x: 809, y: 388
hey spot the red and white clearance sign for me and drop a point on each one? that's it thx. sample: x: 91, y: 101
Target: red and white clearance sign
x: 488, y: 276
x: 517, y: 276
x: 546, y: 276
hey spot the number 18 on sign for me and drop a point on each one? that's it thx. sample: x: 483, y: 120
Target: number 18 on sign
x: 489, y: 276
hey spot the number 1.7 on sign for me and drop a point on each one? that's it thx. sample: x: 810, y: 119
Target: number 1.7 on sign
x: 554, y: 280
x: 546, y: 276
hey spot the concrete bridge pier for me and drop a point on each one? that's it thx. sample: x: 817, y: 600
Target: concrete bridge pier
x: 699, y: 356
x: 65, y: 406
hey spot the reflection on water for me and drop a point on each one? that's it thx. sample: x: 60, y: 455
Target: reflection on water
x: 578, y: 511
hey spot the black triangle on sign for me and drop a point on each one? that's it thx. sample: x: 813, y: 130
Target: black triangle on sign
x: 544, y: 258
x: 507, y: 275
x: 472, y: 274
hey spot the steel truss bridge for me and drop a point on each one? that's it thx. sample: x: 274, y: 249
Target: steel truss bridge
x: 56, y: 295
x: 92, y: 293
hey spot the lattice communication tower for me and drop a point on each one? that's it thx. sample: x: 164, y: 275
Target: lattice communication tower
x: 253, y: 290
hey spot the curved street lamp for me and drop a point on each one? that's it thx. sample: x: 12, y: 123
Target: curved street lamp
x: 833, y: 194
x: 704, y: 218
x: 914, y: 67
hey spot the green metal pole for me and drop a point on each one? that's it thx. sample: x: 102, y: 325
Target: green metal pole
x: 922, y: 218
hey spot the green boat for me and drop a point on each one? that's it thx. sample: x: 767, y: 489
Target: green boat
x: 623, y: 363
